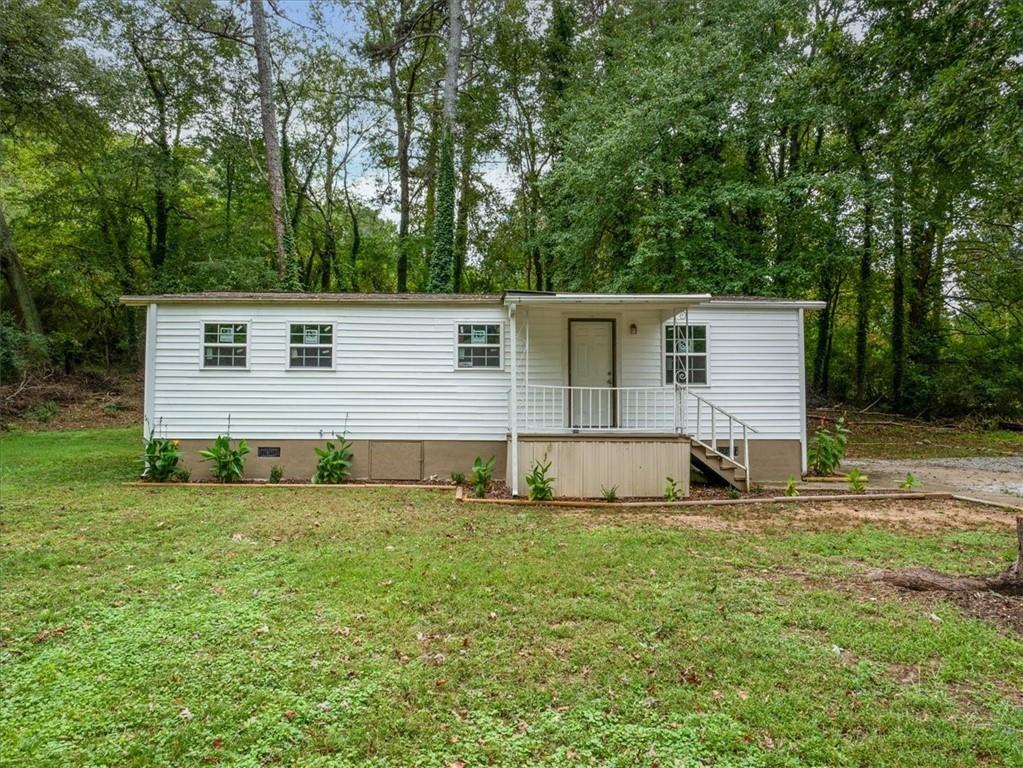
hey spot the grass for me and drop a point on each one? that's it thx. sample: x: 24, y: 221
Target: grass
x: 393, y: 627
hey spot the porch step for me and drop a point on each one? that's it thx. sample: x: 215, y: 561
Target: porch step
x: 731, y: 474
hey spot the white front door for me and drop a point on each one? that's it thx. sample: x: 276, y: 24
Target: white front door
x: 591, y: 367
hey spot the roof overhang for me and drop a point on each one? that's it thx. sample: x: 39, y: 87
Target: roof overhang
x: 767, y: 303
x: 273, y: 299
x: 661, y: 301
x: 651, y: 300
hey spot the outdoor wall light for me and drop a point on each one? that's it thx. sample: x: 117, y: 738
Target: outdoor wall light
x: 633, y: 330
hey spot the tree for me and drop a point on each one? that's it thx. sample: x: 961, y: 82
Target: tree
x: 283, y: 241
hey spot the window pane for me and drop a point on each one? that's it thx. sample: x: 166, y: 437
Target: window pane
x: 698, y: 369
x: 479, y: 333
x: 224, y: 333
x: 224, y: 357
x: 311, y: 357
x: 304, y: 333
x: 479, y: 357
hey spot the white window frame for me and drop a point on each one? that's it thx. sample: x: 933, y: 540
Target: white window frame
x: 500, y: 344
x: 663, y: 344
x: 247, y: 322
x: 288, y: 345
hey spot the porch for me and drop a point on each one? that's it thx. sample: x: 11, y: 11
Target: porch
x: 606, y: 390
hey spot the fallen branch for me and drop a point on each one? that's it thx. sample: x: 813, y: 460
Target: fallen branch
x: 1008, y: 582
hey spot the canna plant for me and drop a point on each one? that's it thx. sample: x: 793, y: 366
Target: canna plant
x: 481, y: 475
x: 540, y: 484
x: 335, y: 464
x: 160, y: 459
x: 227, y: 463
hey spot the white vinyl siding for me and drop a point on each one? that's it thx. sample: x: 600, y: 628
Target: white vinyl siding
x: 395, y: 373
x: 393, y: 376
x: 753, y: 359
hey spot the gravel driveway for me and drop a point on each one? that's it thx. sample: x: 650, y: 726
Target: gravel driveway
x: 997, y: 478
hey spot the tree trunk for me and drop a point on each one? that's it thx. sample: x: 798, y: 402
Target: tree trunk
x: 898, y: 296
x: 863, y: 296
x: 465, y: 203
x: 161, y: 200
x: 402, y: 131
x: 268, y: 118
x: 17, y: 282
x: 442, y: 265
x: 353, y: 256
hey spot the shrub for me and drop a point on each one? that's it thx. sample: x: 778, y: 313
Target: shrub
x: 857, y: 481
x: 160, y: 459
x: 827, y: 449
x: 481, y: 475
x: 19, y: 351
x: 276, y: 474
x: 909, y: 483
x: 790, y: 487
x: 540, y: 485
x: 42, y: 412
x: 609, y: 494
x: 335, y: 464
x: 671, y: 490
x: 182, y: 475
x: 457, y: 478
x: 227, y: 462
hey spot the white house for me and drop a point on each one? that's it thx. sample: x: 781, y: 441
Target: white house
x: 616, y: 390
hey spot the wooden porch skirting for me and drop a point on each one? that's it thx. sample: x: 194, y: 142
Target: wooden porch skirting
x: 584, y: 464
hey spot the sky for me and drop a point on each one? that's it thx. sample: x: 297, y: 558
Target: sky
x: 368, y: 181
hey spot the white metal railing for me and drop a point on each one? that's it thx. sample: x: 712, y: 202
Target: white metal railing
x: 668, y: 409
x: 712, y: 426
x: 550, y: 408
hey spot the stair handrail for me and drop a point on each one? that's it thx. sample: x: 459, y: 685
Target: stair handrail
x: 683, y: 428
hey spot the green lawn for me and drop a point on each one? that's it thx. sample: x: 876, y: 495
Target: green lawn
x: 391, y: 627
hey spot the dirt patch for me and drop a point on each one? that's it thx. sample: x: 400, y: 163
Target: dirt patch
x: 916, y: 517
x: 1005, y: 611
x: 84, y: 400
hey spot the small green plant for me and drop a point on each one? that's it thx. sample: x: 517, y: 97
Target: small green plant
x: 43, y: 412
x: 609, y: 494
x: 227, y: 463
x: 481, y: 475
x: 540, y: 484
x: 790, y: 487
x: 335, y: 464
x: 827, y: 448
x: 458, y: 478
x: 276, y: 474
x: 182, y: 475
x: 671, y: 490
x: 909, y: 483
x: 732, y: 492
x: 857, y: 481
x: 160, y: 459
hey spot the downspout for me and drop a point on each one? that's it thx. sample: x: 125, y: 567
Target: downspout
x: 802, y: 396
x: 513, y: 406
